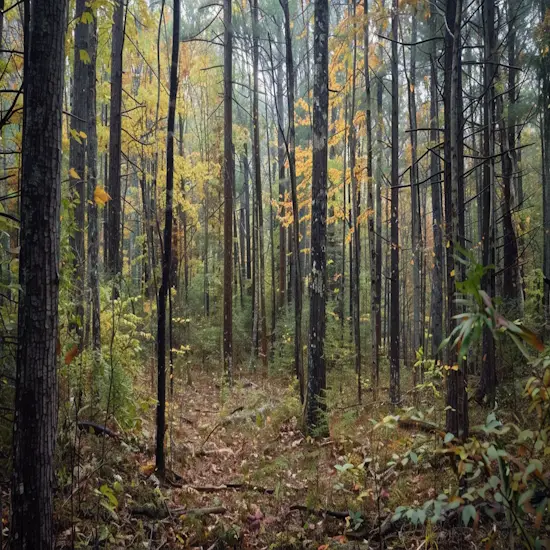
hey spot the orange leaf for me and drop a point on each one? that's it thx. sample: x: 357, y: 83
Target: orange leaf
x: 71, y: 354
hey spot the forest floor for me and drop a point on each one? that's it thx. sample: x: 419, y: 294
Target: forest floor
x: 243, y: 475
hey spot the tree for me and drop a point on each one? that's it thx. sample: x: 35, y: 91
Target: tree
x: 35, y: 425
x: 295, y: 267
x: 318, y: 278
x: 371, y: 208
x: 167, y: 245
x: 93, y: 221
x: 262, y: 320
x: 435, y: 184
x: 113, y: 234
x: 457, y: 402
x: 77, y: 159
x: 394, y: 221
x: 228, y: 172
x: 355, y: 200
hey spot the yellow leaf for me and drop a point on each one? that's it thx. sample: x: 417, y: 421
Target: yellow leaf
x: 101, y: 196
x: 74, y: 174
x: 453, y: 273
x: 83, y: 135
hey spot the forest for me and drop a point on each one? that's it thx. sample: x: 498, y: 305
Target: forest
x: 275, y: 274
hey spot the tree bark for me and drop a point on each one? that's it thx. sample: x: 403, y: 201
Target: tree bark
x: 438, y: 258
x: 394, y: 221
x: 295, y: 267
x: 77, y: 161
x: 262, y: 321
x: 35, y: 423
x: 228, y: 172
x: 167, y: 248
x: 316, y: 387
x: 114, y: 253
x: 355, y: 217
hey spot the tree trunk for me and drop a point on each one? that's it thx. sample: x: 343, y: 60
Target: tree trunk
x: 297, y: 275
x: 355, y: 218
x: 93, y: 217
x: 282, y: 188
x: 77, y: 161
x: 228, y: 173
x: 167, y: 250
x: 487, y: 385
x: 371, y: 210
x: 35, y: 423
x: 315, y: 404
x: 394, y: 221
x: 114, y: 257
x: 258, y: 182
x: 457, y: 402
x: 438, y: 257
x: 416, y: 237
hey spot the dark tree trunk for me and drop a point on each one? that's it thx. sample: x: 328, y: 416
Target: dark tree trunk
x: 282, y: 189
x: 77, y: 161
x: 438, y: 258
x: 228, y: 174
x: 35, y: 422
x: 114, y: 253
x: 394, y: 221
x: 258, y: 182
x: 371, y: 208
x: 167, y: 248
x: 247, y: 214
x: 93, y: 216
x: 544, y: 74
x: 295, y: 267
x: 416, y: 237
x: 316, y: 386
x: 355, y: 218
x: 457, y: 402
x: 487, y: 385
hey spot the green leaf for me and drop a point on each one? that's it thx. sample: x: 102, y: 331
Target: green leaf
x: 468, y: 513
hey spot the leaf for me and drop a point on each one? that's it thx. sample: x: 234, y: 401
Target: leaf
x: 71, y: 354
x: 448, y: 437
x: 74, y: 174
x: 101, y: 197
x: 468, y: 513
x: 85, y: 57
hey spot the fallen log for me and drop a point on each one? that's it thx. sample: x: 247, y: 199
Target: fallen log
x: 96, y: 429
x: 154, y: 512
x: 320, y: 511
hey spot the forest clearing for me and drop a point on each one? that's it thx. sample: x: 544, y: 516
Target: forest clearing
x: 275, y: 274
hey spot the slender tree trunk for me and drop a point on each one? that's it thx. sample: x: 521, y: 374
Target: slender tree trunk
x: 228, y: 173
x: 457, y: 402
x: 246, y: 194
x: 355, y: 217
x: 416, y: 237
x: 316, y: 387
x: 438, y: 258
x: 167, y: 250
x: 297, y: 275
x: 114, y: 257
x: 545, y: 137
x: 395, y: 396
x: 258, y: 182
x: 77, y: 161
x: 282, y: 188
x: 93, y: 217
x: 487, y: 385
x: 35, y: 422
x: 271, y: 240
x: 371, y: 210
